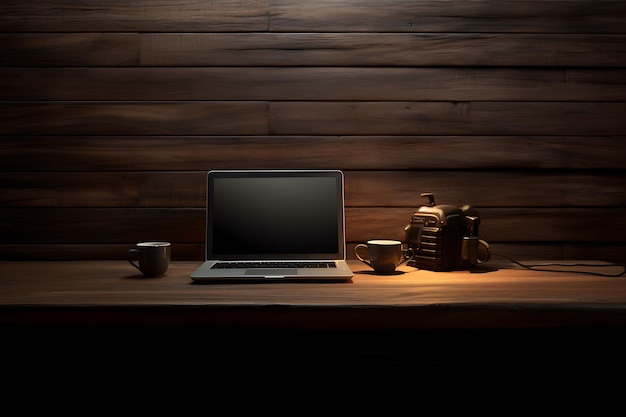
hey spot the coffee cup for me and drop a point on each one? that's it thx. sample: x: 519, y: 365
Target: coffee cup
x: 383, y: 255
x: 151, y: 258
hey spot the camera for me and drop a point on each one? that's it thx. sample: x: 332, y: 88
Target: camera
x: 445, y: 237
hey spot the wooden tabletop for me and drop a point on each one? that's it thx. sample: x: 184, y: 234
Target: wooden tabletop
x: 488, y: 296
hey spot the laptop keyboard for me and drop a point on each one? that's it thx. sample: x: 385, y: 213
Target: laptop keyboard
x: 271, y: 264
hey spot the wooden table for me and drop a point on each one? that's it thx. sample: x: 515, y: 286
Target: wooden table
x: 494, y: 313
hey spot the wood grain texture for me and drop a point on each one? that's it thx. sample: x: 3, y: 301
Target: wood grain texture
x: 133, y: 118
x: 288, y: 16
x: 312, y: 49
x: 312, y: 118
x: 69, y: 49
x: 383, y: 49
x: 117, y: 285
x: 448, y: 16
x: 112, y: 113
x: 79, y: 225
x: 172, y: 189
x: 521, y: 251
x: 143, y: 15
x: 379, y: 153
x: 319, y: 83
x: 445, y: 118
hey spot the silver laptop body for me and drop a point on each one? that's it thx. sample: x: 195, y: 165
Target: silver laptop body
x: 274, y: 225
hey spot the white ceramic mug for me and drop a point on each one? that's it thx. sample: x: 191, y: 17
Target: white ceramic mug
x: 383, y: 255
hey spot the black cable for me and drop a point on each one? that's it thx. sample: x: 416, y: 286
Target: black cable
x: 534, y: 267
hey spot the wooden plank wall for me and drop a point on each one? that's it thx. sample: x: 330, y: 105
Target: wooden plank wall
x: 111, y: 112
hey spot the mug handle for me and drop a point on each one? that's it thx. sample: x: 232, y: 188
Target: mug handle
x: 486, y: 251
x: 407, y: 259
x: 132, y: 259
x: 356, y: 252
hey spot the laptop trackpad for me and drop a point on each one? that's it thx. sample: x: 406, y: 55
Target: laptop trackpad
x: 272, y: 271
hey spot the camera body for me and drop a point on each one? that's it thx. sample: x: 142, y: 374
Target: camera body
x: 445, y: 237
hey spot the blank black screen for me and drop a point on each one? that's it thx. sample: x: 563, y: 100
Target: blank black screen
x: 275, y: 214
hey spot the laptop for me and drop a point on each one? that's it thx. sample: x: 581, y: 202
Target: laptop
x: 274, y: 226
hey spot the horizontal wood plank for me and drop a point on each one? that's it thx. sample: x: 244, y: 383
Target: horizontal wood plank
x: 195, y: 251
x: 104, y: 189
x: 69, y: 49
x: 201, y: 153
x: 95, y: 251
x: 84, y: 225
x: 181, y: 189
x: 310, y: 49
x: 141, y: 15
x: 115, y: 225
x: 501, y: 224
x: 382, y: 49
x: 444, y: 118
x: 304, y: 83
x: 287, y: 16
x: 134, y: 118
x: 485, y: 188
x: 448, y: 16
x: 312, y: 118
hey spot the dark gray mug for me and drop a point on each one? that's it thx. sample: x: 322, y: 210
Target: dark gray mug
x: 151, y: 258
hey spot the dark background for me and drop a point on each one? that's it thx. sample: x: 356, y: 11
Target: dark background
x: 111, y: 112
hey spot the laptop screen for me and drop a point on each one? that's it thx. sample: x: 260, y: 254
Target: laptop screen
x: 275, y: 215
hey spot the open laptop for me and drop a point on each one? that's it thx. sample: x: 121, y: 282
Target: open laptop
x: 274, y: 225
